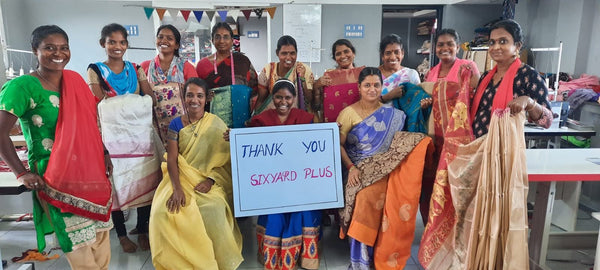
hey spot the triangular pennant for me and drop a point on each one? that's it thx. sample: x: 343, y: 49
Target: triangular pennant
x: 185, y: 14
x: 271, y: 11
x: 258, y: 12
x: 173, y: 12
x: 223, y: 15
x: 247, y: 13
x: 210, y: 15
x: 148, y: 11
x: 234, y: 14
x: 198, y: 15
x: 161, y: 13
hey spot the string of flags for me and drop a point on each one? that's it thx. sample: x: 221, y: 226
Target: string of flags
x: 210, y: 14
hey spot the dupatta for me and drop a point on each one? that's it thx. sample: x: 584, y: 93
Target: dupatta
x: 452, y: 75
x: 76, y: 179
x: 504, y: 93
x: 342, y: 92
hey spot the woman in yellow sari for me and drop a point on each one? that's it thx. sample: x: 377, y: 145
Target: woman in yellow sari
x: 191, y: 222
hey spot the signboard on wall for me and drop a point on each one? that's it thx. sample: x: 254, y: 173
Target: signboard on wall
x: 132, y: 30
x: 303, y: 23
x: 354, y: 30
x: 253, y: 34
x: 284, y: 169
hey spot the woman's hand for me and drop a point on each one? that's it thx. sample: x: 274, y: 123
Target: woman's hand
x: 204, y: 186
x: 31, y: 181
x: 300, y: 68
x: 176, y: 201
x: 397, y: 92
x: 108, y: 165
x: 353, y: 177
x: 226, y: 135
x: 521, y: 103
x: 325, y: 80
x: 426, y: 102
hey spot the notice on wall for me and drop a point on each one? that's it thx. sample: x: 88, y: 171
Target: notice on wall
x: 285, y: 169
x: 303, y: 23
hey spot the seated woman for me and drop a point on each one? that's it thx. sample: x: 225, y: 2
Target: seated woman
x: 191, y: 221
x: 385, y: 166
x: 287, y: 240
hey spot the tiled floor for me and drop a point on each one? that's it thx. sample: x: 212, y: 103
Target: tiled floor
x: 15, y: 237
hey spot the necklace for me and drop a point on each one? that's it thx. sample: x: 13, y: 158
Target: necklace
x: 365, y: 112
x: 194, y: 124
x: 47, y: 81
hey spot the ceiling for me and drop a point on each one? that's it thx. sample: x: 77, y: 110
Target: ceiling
x: 239, y: 4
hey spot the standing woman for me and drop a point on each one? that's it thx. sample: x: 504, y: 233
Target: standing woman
x: 296, y: 72
x: 446, y: 47
x: 127, y: 131
x: 166, y: 74
x: 58, y: 114
x: 224, y: 69
x: 391, y: 51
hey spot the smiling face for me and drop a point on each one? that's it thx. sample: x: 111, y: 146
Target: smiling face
x: 222, y: 40
x: 115, y: 45
x: 195, y: 98
x: 283, y: 100
x: 502, y: 46
x: 344, y: 56
x: 53, y: 53
x: 392, y: 56
x: 370, y: 88
x: 166, y: 42
x: 446, y: 48
x: 287, y: 56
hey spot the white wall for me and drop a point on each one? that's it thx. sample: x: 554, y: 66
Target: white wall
x: 254, y: 48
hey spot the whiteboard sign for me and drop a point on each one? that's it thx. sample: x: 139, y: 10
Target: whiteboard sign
x: 284, y: 169
x: 303, y: 23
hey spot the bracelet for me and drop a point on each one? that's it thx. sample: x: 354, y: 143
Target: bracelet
x: 381, y: 99
x: 22, y: 173
x: 350, y: 166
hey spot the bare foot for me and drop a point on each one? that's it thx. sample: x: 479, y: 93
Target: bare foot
x: 127, y: 245
x: 143, y: 241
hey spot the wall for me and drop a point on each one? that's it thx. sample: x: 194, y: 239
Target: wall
x: 254, y: 48
x: 466, y: 18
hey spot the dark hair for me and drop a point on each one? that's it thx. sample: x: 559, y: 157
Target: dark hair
x: 284, y: 84
x: 43, y: 31
x: 175, y: 33
x: 512, y: 27
x: 196, y: 81
x: 390, y: 39
x: 341, y: 42
x: 450, y: 32
x: 286, y: 40
x: 368, y: 71
x: 219, y: 25
x: 107, y: 30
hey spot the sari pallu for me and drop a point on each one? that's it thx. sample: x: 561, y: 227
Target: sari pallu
x: 342, y: 92
x: 134, y: 147
x: 410, y: 103
x: 75, y: 178
x: 380, y: 213
x: 269, y: 76
x: 204, y: 233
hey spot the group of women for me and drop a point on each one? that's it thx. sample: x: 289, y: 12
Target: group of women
x: 185, y: 211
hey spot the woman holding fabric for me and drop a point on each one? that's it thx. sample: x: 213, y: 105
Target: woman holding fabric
x: 191, y: 222
x: 296, y: 72
x: 385, y: 166
x: 71, y: 196
x: 166, y: 74
x: 127, y: 131
x: 230, y: 76
x: 446, y: 46
x: 391, y: 51
x: 475, y: 196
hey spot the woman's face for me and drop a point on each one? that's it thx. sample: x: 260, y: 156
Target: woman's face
x: 392, y: 56
x: 283, y: 100
x: 222, y: 40
x: 287, y: 56
x: 195, y: 98
x: 446, y: 48
x: 165, y: 42
x: 370, y: 88
x: 53, y: 53
x: 502, y: 47
x: 115, y: 45
x: 344, y: 56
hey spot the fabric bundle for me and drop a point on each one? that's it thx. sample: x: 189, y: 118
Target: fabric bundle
x: 342, y: 92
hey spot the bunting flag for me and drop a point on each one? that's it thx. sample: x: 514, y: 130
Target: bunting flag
x: 185, y: 14
x: 258, y: 12
x: 247, y: 13
x: 173, y: 12
x: 210, y: 15
x: 198, y: 15
x: 234, y: 14
x: 223, y: 15
x: 271, y: 11
x: 161, y: 13
x: 148, y: 11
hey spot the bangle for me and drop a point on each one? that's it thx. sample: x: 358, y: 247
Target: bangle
x: 381, y: 99
x: 350, y: 166
x: 106, y: 152
x: 22, y: 173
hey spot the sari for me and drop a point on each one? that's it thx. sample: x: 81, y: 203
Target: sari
x: 401, y: 76
x: 288, y: 240
x: 410, y: 104
x: 267, y: 78
x: 452, y: 76
x: 232, y: 81
x: 380, y: 213
x: 204, y: 233
x: 342, y: 92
